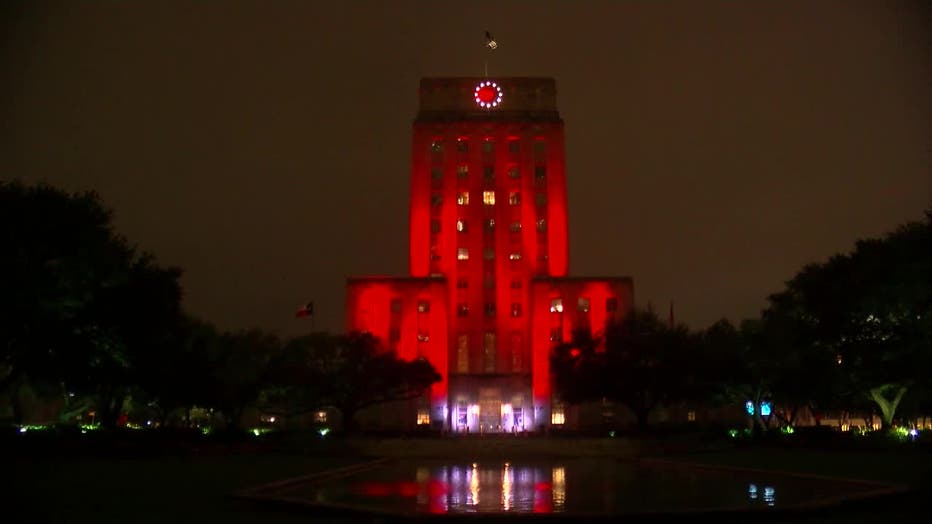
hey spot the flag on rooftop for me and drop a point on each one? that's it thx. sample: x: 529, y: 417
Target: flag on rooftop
x: 489, y: 41
x: 307, y: 310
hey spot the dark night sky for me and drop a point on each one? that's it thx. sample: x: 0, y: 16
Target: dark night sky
x: 713, y: 148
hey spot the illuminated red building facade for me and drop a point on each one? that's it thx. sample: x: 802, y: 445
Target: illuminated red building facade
x: 488, y: 293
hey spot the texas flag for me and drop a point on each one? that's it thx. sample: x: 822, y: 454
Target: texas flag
x: 307, y: 310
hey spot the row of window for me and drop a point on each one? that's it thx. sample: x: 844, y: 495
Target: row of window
x: 462, y: 253
x: 488, y: 146
x: 462, y: 226
x: 488, y: 198
x: 489, y: 353
x: 488, y: 173
x: 583, y: 304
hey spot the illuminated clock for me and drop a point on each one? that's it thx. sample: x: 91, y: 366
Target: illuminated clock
x: 488, y: 94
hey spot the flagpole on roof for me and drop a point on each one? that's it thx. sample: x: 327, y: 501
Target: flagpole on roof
x: 492, y: 45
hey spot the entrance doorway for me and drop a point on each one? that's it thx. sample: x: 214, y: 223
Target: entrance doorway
x: 490, y: 410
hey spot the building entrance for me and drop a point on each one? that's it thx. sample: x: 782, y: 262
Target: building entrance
x: 490, y: 410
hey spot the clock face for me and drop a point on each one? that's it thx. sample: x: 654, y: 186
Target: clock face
x: 488, y: 94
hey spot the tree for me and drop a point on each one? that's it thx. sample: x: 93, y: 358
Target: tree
x: 238, y: 366
x: 644, y: 364
x: 871, y: 310
x: 349, y: 372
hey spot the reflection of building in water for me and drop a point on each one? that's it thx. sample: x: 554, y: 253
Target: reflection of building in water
x: 488, y: 293
x: 502, y: 487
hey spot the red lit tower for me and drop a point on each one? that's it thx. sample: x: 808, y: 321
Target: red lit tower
x: 488, y: 293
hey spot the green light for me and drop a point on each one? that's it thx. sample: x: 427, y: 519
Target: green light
x: 788, y: 430
x: 323, y: 431
x: 260, y: 431
x: 206, y: 430
x: 733, y: 433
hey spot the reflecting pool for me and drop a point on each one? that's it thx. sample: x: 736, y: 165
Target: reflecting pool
x: 573, y: 487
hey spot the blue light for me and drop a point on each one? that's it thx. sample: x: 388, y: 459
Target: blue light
x: 749, y: 407
x: 765, y: 409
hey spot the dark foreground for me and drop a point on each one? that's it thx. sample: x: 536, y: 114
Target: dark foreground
x: 115, y: 480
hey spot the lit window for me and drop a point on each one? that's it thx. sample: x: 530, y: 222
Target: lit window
x: 462, y: 172
x: 488, y: 198
x: 514, y: 198
x: 488, y: 146
x: 489, y: 253
x: 691, y: 416
x: 611, y: 304
x: 488, y: 174
x: 423, y: 337
x: 462, y: 145
x: 462, y: 309
x: 436, y: 146
x: 558, y: 415
x: 395, y: 305
x: 462, y: 253
x: 462, y: 198
x: 423, y: 417
x: 436, y: 200
x: 514, y: 146
x: 513, y: 172
x: 460, y: 225
x: 514, y: 256
x: 541, y: 225
x: 540, y: 199
x: 490, y: 309
x: 556, y: 305
x: 320, y: 417
x: 516, y: 309
x: 515, y: 227
x: 434, y: 226
x: 582, y: 305
x: 490, y: 225
x: 423, y: 307
x: 462, y: 283
x: 462, y: 354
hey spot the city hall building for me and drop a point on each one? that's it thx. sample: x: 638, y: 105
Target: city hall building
x: 488, y: 293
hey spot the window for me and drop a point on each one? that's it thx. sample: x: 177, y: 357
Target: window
x: 462, y: 172
x: 540, y: 199
x: 433, y: 253
x: 513, y: 172
x: 395, y: 305
x: 516, y: 284
x: 489, y: 253
x: 542, y: 257
x: 488, y: 174
x: 462, y: 309
x: 462, y: 253
x: 541, y: 225
x: 514, y: 146
x: 436, y: 146
x: 423, y: 417
x: 320, y: 417
x: 582, y: 305
x: 490, y: 225
x: 423, y: 337
x: 516, y: 309
x: 514, y: 198
x: 515, y: 227
x: 462, y: 354
x: 611, y: 304
x: 558, y: 415
x: 540, y: 148
x: 517, y: 353
x: 436, y: 177
x: 540, y: 175
x: 423, y: 306
x: 462, y: 198
x: 460, y: 225
x: 488, y: 146
x: 436, y: 200
x: 490, y: 309
x: 489, y: 282
x: 488, y: 198
x: 488, y: 353
x: 462, y: 283
x: 514, y: 256
x: 462, y: 145
x: 556, y: 305
x: 691, y: 416
x: 434, y: 226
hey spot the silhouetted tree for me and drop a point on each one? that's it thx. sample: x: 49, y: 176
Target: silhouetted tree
x: 238, y: 370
